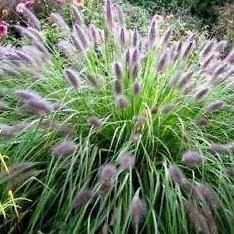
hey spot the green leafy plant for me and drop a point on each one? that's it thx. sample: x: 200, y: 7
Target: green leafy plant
x: 116, y: 131
x: 224, y: 27
x: 198, y: 7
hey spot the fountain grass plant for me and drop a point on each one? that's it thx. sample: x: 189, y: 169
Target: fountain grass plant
x: 112, y: 131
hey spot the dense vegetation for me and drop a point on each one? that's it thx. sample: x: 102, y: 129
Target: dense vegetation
x: 204, y: 9
x: 215, y: 16
x: 107, y: 127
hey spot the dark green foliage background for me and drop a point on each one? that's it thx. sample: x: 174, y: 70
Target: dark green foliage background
x: 201, y: 8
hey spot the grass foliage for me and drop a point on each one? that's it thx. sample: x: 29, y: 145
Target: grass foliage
x: 114, y: 131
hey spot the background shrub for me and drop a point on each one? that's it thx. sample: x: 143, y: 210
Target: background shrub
x: 111, y: 129
x: 201, y: 8
x: 224, y: 27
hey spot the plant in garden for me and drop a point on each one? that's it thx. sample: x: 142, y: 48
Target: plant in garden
x: 107, y: 121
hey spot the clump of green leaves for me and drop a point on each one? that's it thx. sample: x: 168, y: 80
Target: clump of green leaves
x: 108, y: 119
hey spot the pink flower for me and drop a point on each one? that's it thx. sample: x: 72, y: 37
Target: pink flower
x: 29, y: 2
x: 20, y: 7
x: 3, y: 29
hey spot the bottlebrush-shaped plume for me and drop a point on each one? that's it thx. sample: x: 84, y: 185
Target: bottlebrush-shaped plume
x: 109, y: 14
x: 192, y: 157
x: 152, y: 34
x: 118, y: 87
x: 176, y: 175
x: 198, y: 219
x: 66, y: 129
x: 128, y: 57
x: 127, y: 161
x: 221, y: 45
x: 77, y: 43
x: 77, y: 18
x: 135, y: 56
x: 37, y: 33
x: 167, y: 108
x: 136, y: 88
x: 178, y: 50
x: 64, y: 148
x: 173, y: 54
x: 15, y: 170
x: 207, y: 48
x: 201, y: 93
x: 119, y: 15
x: 122, y: 37
x: 191, y: 37
x: 202, y: 122
x: 166, y: 37
x: 207, y: 61
x: 184, y: 79
x: 135, y: 71
x: 108, y: 174
x: 206, y: 194
x: 31, y: 34
x: 17, y: 181
x: 67, y: 49
x: 34, y: 102
x: 135, y: 38
x: 218, y: 148
x: 118, y: 71
x: 9, y: 70
x: 162, y: 62
x: 139, y: 122
x: 31, y: 18
x: 210, y: 220
x: 95, y: 122
x: 26, y: 95
x: 122, y: 101
x: 187, y: 49
x: 33, y: 56
x: 8, y: 54
x: 219, y: 71
x: 82, y: 198
x: 214, y: 106
x: 58, y: 20
x: 12, y: 130
x: 230, y: 57
x: 80, y: 33
x: 48, y: 123
x: 96, y: 81
x: 229, y: 73
x: 93, y: 34
x: 105, y: 229
x: 73, y: 78
x: 25, y: 58
x: 57, y: 126
x: 138, y: 210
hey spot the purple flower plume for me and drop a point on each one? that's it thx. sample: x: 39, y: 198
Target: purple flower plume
x: 64, y: 148
x: 192, y: 157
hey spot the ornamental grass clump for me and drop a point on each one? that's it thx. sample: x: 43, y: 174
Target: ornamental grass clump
x: 104, y: 91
